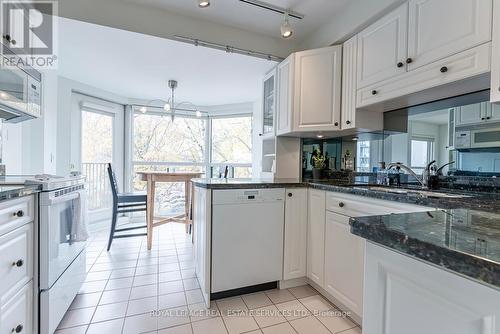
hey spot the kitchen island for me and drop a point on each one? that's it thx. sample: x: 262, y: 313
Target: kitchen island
x: 337, y: 225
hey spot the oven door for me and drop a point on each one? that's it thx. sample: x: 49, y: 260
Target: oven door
x: 58, y: 248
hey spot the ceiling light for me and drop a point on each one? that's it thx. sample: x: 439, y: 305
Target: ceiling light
x: 167, y: 107
x: 198, y: 113
x: 143, y: 109
x: 203, y: 3
x: 286, y: 28
x: 319, y: 136
x: 355, y: 138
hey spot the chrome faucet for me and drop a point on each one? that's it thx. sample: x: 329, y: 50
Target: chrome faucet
x: 399, y: 165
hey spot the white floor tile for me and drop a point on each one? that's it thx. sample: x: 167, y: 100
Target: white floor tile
x: 98, y: 276
x: 173, y: 317
x: 200, y: 312
x: 91, y: 287
x: 140, y: 324
x: 77, y: 317
x: 172, y: 300
x: 256, y: 300
x: 110, y: 311
x: 284, y: 328
x: 145, y: 280
x: 303, y: 291
x: 293, y: 310
x: 85, y: 300
x: 140, y: 306
x: 183, y: 329
x: 279, y: 296
x: 191, y: 284
x: 209, y: 326
x: 233, y: 304
x: 144, y: 291
x: 111, y: 326
x: 121, y: 273
x: 170, y: 276
x: 240, y: 324
x: 194, y: 296
x: 72, y: 330
x: 119, y: 283
x: 316, y: 304
x: 267, y: 316
x: 334, y: 321
x: 114, y: 296
x: 309, y: 325
x: 171, y: 287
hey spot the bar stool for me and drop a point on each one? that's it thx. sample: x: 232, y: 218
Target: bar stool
x: 123, y: 203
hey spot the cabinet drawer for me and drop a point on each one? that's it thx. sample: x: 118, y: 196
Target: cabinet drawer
x: 16, y: 315
x: 16, y: 260
x: 358, y: 206
x: 461, y: 66
x: 15, y: 213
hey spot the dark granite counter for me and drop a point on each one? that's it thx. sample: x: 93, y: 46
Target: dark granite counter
x: 10, y: 192
x: 460, y: 240
x: 247, y: 183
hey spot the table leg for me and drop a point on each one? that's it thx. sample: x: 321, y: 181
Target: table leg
x: 150, y: 210
x: 191, y: 197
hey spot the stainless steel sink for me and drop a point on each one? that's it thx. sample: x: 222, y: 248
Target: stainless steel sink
x: 423, y: 193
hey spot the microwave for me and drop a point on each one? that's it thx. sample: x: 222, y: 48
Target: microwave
x: 20, y: 94
x: 478, y: 138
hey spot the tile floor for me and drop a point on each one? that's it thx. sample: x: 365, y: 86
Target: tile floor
x: 132, y: 290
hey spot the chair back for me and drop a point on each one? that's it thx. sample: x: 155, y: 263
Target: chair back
x: 112, y: 180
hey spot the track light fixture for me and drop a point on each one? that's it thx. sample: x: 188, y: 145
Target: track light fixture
x: 286, y: 27
x: 203, y: 3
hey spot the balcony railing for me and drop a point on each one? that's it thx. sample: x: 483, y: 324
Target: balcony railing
x: 98, y: 187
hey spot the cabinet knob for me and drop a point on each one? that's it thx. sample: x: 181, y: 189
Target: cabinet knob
x: 444, y: 69
x: 347, y: 122
x: 482, y: 118
x: 18, y: 263
x: 18, y: 329
x: 488, y: 117
x: 341, y: 204
x: 19, y: 214
x: 374, y: 92
x: 409, y: 60
x: 7, y: 37
x: 290, y: 194
x: 400, y: 64
x: 13, y: 42
x: 260, y: 134
x: 336, y: 124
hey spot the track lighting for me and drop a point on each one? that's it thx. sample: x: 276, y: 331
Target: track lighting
x: 286, y: 28
x: 167, y: 107
x: 203, y: 3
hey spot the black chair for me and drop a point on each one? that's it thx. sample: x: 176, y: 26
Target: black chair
x: 122, y: 203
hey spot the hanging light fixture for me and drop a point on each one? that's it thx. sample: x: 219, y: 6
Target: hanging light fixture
x: 171, y: 106
x: 286, y: 27
x: 203, y: 3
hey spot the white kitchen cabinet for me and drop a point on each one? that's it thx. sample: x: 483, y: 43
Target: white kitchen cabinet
x: 285, y: 75
x: 344, y: 261
x: 16, y: 316
x: 492, y: 112
x: 440, y: 28
x: 268, y: 104
x: 452, y: 112
x: 404, y: 295
x: 382, y: 48
x: 470, y: 114
x: 316, y: 236
x: 349, y: 84
x: 317, y: 89
x: 202, y: 224
x: 295, y: 243
x: 495, y: 65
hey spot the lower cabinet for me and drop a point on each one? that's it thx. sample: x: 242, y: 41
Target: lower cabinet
x: 495, y: 59
x: 295, y: 243
x: 202, y: 213
x: 404, y: 295
x: 16, y: 316
x: 316, y: 236
x: 344, y: 261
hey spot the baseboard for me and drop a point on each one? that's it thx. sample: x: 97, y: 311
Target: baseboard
x: 292, y: 283
x: 354, y: 317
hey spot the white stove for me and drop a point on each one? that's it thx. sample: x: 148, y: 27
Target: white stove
x: 46, y: 181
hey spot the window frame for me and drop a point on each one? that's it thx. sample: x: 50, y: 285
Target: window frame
x: 430, y: 150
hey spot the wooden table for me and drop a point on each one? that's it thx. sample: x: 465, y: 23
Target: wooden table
x: 152, y: 178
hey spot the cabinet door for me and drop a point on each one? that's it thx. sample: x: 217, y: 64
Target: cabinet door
x: 269, y: 104
x: 284, y: 76
x: 381, y: 47
x: 470, y: 114
x: 404, y: 295
x: 344, y: 260
x: 440, y: 28
x: 492, y: 112
x: 202, y: 239
x: 317, y: 89
x: 349, y: 87
x: 451, y: 128
x: 495, y: 59
x: 16, y: 316
x: 295, y: 250
x: 316, y: 236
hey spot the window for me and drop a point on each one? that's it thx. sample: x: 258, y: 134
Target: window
x: 422, y: 152
x: 188, y: 144
x: 231, y: 145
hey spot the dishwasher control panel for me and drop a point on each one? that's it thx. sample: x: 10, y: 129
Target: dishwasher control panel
x: 234, y: 196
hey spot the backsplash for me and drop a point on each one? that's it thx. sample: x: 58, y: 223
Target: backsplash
x: 463, y: 135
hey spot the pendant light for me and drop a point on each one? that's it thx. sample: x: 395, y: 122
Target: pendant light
x: 203, y: 3
x: 286, y: 27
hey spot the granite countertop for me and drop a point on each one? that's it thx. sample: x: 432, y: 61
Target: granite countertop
x: 464, y: 241
x: 13, y: 191
x: 247, y: 183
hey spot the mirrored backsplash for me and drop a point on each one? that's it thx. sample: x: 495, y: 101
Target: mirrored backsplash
x: 462, y: 135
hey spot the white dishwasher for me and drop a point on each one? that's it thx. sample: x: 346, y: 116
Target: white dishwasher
x: 247, y: 238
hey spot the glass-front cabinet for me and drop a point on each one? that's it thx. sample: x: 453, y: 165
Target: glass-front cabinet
x: 269, y: 104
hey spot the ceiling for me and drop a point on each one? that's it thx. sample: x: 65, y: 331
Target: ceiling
x: 138, y: 66
x: 437, y: 117
x: 238, y: 14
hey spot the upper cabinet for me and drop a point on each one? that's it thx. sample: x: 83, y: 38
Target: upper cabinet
x: 424, y: 44
x: 441, y: 28
x: 269, y: 104
x: 309, y: 85
x: 382, y: 48
x: 495, y: 65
